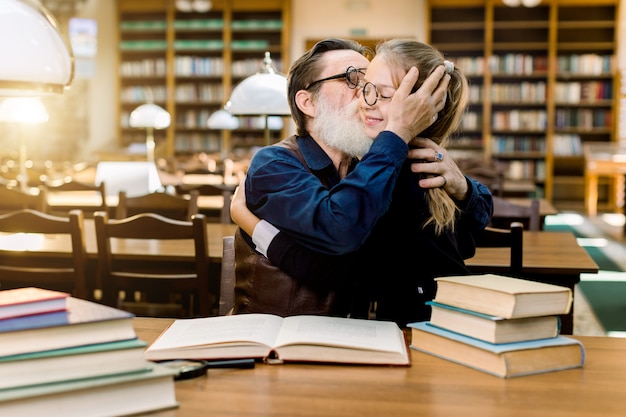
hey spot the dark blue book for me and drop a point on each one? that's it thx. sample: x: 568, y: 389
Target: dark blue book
x: 84, y: 323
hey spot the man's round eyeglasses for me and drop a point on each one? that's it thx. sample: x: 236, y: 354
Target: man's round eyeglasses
x: 371, y: 94
x: 353, y: 77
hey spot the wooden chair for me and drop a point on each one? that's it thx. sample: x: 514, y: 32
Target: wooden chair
x: 485, y: 172
x: 74, y: 187
x: 513, y: 238
x: 167, y: 205
x: 152, y: 286
x: 17, y: 268
x: 227, y: 279
x: 222, y: 191
x: 12, y: 199
x: 506, y: 212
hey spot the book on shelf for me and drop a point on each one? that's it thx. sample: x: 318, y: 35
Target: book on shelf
x: 505, y: 360
x: 276, y: 339
x: 79, y: 362
x: 503, y: 296
x: 118, y: 395
x: 30, y: 300
x: 493, y: 329
x: 84, y: 322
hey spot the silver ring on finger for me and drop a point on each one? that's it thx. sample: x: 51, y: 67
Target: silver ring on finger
x: 438, y: 156
x: 445, y: 181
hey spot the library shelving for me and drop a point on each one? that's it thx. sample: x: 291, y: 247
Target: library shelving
x: 188, y: 63
x: 543, y: 82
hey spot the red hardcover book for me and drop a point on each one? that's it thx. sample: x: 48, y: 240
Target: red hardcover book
x: 29, y: 301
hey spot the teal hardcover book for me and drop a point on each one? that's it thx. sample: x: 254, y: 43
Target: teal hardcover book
x: 119, y: 395
x: 73, y: 363
x: 492, y: 329
x: 504, y: 360
x: 85, y: 323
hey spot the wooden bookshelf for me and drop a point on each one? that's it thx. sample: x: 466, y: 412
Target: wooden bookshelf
x: 188, y: 63
x: 543, y: 82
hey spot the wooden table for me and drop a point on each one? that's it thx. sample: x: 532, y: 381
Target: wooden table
x: 606, y: 160
x: 545, y: 208
x: 168, y: 250
x: 553, y: 257
x: 89, y: 201
x: 165, y: 250
x: 430, y: 387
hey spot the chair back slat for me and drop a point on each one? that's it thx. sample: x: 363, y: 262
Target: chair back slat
x: 54, y: 273
x: 75, y: 186
x: 12, y: 199
x: 168, y: 205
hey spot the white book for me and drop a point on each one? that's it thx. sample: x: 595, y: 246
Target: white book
x: 276, y: 339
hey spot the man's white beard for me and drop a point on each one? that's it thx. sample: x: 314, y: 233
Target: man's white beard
x: 340, y: 129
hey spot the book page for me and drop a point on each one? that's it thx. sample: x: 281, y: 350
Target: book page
x: 251, y: 328
x: 334, y: 331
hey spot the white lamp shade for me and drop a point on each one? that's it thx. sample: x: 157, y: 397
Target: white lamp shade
x: 36, y: 59
x: 200, y: 6
x: 260, y: 94
x: 525, y: 3
x: 531, y: 3
x: 150, y: 115
x: 273, y: 123
x: 25, y: 110
x: 222, y: 119
x: 184, y: 5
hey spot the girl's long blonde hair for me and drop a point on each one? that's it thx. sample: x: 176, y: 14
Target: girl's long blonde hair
x: 407, y: 53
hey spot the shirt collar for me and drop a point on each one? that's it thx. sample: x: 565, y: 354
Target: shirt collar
x: 313, y: 154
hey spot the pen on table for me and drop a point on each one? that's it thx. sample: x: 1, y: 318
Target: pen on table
x: 187, y: 369
x: 231, y: 363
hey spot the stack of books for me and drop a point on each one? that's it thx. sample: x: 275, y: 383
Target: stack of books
x: 75, y: 357
x: 500, y: 325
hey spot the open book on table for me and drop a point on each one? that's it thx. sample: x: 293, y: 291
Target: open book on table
x: 277, y: 339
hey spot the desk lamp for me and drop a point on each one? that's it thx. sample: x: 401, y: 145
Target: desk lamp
x: 199, y: 6
x: 150, y: 116
x: 23, y: 111
x: 525, y: 3
x: 262, y: 94
x: 36, y: 59
x: 223, y: 120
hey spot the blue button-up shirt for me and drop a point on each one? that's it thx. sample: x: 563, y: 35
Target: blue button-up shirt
x: 311, y: 204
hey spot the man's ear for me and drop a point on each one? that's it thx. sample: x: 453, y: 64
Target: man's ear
x: 305, y: 103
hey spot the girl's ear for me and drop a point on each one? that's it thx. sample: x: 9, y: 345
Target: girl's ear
x: 305, y: 103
